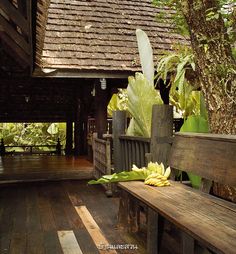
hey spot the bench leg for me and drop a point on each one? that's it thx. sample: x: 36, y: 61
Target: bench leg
x: 187, y: 244
x: 155, y: 225
x: 128, y: 216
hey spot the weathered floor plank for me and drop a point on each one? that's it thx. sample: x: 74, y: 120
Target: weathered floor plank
x: 68, y: 242
x: 93, y: 229
x: 31, y: 214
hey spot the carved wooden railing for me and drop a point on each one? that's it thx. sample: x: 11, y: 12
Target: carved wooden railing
x: 102, y: 158
x: 32, y: 149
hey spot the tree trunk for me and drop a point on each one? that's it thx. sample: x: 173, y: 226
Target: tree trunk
x: 215, y: 65
x: 214, y: 62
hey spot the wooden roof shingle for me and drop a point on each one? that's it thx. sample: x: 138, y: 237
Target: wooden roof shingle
x: 99, y: 35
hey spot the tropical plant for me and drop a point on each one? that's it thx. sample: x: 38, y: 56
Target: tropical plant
x: 141, y: 97
x: 32, y: 134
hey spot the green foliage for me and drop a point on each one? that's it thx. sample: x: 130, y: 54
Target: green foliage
x: 177, y: 66
x: 226, y: 9
x: 118, y: 102
x: 32, y: 133
x: 141, y: 98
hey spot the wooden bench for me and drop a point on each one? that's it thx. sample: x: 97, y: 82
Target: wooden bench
x: 202, y: 219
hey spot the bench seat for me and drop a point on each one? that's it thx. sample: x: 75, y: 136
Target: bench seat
x: 205, y: 218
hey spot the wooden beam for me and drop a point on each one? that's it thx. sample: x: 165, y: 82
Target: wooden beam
x: 22, y: 6
x: 15, y: 15
x: 29, y: 14
x: 16, y: 37
x: 75, y: 73
x: 15, y: 51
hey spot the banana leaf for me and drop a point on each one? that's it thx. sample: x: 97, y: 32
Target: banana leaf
x: 145, y: 55
x: 120, y: 177
x: 141, y: 98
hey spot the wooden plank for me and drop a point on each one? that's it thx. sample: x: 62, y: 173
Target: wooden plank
x: 118, y: 126
x: 135, y: 138
x: 189, y: 210
x: 73, y: 194
x: 187, y: 244
x: 58, y: 208
x: 162, y: 127
x: 20, y: 216
x: 93, y: 229
x: 85, y: 241
x: 33, y: 219
x: 35, y: 243
x: 68, y: 242
x: 212, y: 158
x: 13, y: 51
x: 51, y: 243
x: 152, y: 232
x: 18, y: 243
x: 18, y: 38
x: 45, y: 209
x: 22, y: 7
x: 72, y: 216
x: 5, y: 240
x: 15, y: 15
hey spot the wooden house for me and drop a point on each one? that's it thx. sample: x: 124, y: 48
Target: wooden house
x: 54, y: 53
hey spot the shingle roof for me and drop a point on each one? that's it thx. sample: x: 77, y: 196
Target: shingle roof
x: 99, y: 34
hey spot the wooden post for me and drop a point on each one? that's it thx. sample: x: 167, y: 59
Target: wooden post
x: 161, y: 132
x: 2, y: 148
x: 58, y: 147
x: 76, y: 128
x: 118, y: 126
x: 100, y: 110
x: 69, y: 137
x: 155, y: 226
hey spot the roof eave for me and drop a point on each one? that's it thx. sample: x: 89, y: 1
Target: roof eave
x: 75, y: 73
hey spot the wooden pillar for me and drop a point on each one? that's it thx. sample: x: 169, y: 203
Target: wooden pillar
x: 118, y: 127
x: 82, y: 129
x: 76, y: 128
x: 69, y: 137
x: 161, y: 132
x: 100, y: 110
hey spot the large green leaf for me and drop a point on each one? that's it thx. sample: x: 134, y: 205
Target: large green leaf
x: 141, y: 98
x: 145, y: 55
x: 195, y: 124
x: 120, y: 177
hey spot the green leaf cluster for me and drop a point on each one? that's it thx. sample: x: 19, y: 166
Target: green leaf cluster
x: 179, y: 67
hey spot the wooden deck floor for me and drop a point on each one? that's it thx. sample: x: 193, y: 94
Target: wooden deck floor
x: 67, y: 217
x: 38, y: 167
